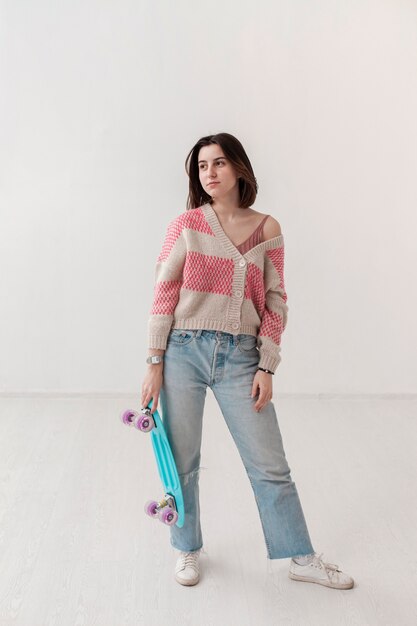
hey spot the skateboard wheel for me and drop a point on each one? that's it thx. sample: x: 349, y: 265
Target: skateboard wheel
x: 143, y: 422
x: 150, y: 508
x: 127, y: 417
x: 168, y: 516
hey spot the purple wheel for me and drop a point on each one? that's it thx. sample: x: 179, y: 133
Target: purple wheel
x: 168, y: 516
x: 143, y: 422
x: 127, y: 417
x: 150, y: 508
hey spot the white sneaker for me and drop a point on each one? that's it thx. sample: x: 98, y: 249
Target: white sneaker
x: 187, y: 568
x: 319, y: 572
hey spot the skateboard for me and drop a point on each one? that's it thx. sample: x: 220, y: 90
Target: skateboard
x: 169, y: 510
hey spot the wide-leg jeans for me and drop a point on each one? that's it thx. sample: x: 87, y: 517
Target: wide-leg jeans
x: 227, y: 363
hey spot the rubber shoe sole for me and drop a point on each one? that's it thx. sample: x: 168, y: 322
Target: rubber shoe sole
x: 187, y: 582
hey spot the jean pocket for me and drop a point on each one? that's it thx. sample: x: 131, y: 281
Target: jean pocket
x: 247, y: 343
x: 178, y: 336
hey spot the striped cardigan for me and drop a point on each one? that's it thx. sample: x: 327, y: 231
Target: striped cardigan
x: 203, y: 281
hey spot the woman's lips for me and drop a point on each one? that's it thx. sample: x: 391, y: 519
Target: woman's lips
x: 210, y: 184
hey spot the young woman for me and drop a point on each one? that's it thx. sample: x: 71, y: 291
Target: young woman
x: 217, y: 317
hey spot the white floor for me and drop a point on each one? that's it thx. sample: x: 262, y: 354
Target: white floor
x: 77, y: 549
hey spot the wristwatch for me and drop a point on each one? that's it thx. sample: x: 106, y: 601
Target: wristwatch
x: 155, y: 358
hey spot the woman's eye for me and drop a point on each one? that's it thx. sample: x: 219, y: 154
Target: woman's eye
x: 202, y: 166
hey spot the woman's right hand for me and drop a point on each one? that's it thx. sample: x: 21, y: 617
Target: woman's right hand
x: 151, y: 386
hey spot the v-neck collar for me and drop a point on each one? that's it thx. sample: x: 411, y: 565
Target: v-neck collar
x: 211, y: 217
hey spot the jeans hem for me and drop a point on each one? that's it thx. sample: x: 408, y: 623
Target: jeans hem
x: 186, y: 549
x: 289, y: 555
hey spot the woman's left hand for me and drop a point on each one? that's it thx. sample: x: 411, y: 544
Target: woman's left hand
x: 263, y: 380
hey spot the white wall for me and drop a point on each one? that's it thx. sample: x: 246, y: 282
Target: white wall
x: 99, y: 105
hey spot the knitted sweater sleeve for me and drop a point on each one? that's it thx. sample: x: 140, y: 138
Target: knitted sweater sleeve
x: 275, y: 316
x: 168, y: 281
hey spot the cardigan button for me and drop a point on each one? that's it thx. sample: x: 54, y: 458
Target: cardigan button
x: 242, y: 262
x: 235, y: 325
x: 238, y: 293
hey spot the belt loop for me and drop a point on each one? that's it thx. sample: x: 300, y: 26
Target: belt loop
x: 199, y: 331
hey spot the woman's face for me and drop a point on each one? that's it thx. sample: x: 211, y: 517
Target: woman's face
x: 214, y: 167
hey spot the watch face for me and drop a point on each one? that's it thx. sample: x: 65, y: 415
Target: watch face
x: 155, y: 358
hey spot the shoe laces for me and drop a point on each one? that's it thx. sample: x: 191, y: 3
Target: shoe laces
x: 188, y: 559
x: 330, y: 569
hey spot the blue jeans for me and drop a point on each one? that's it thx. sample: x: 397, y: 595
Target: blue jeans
x: 195, y: 359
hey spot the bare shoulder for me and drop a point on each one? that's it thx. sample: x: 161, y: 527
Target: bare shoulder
x: 272, y: 228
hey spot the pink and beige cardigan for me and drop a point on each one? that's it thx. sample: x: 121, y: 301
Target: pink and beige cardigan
x: 203, y: 281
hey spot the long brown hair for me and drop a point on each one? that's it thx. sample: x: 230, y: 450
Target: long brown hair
x: 235, y: 153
